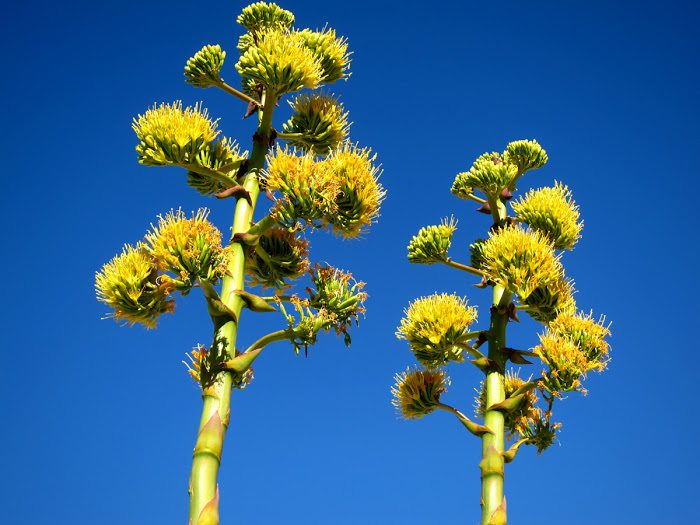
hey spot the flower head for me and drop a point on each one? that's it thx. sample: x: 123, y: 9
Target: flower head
x: 202, y: 70
x: 546, y: 301
x: 337, y: 293
x: 489, y: 174
x: 261, y: 15
x: 320, y: 122
x: 171, y: 136
x: 280, y: 60
x: 573, y: 345
x: 359, y: 192
x: 417, y: 392
x: 131, y: 285
x: 520, y: 260
x: 433, y: 326
x: 431, y: 244
x: 189, y: 248
x: 551, y: 211
x: 331, y: 52
x: 525, y: 155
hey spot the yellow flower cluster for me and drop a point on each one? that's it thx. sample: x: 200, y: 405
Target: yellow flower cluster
x: 131, y: 285
x: 280, y: 60
x: 417, y: 392
x: 433, y: 326
x: 553, y: 212
x: 341, y: 191
x: 520, y: 260
x: 573, y: 345
x: 189, y: 248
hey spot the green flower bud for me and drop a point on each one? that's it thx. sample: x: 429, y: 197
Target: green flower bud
x: 525, y: 155
x: 489, y: 174
x: 280, y: 256
x: 431, y: 244
x: 202, y: 70
x: 321, y: 122
x: 417, y: 392
x: 476, y: 254
x: 553, y: 212
x: 259, y: 16
x: 433, y: 326
x: 131, y: 285
x: 220, y: 155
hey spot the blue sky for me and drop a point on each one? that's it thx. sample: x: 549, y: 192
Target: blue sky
x: 99, y: 421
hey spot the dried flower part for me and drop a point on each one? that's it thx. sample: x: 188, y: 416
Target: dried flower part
x: 517, y: 421
x: 417, y: 392
x: 431, y: 244
x: 331, y: 52
x: 281, y: 61
x: 189, y: 248
x: 338, y: 294
x: 130, y: 284
x: 202, y: 70
x: 542, y: 431
x: 585, y: 333
x: 553, y: 212
x: 525, y: 155
x: 520, y: 260
x: 359, y: 192
x: 321, y: 122
x: 549, y: 299
x: 489, y: 174
x: 261, y: 15
x: 433, y: 326
x: 341, y: 192
x: 279, y: 257
x: 199, y: 369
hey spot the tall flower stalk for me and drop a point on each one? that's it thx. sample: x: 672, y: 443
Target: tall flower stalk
x: 318, y: 180
x: 521, y: 264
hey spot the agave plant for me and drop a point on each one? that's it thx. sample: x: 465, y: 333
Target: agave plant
x: 317, y: 180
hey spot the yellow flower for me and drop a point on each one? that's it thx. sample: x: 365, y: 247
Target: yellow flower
x: 587, y: 334
x: 549, y: 299
x: 131, y: 285
x: 566, y: 362
x: 553, y: 212
x: 331, y: 52
x: 417, y: 392
x: 433, y: 326
x: 280, y: 59
x: 520, y: 260
x: 171, y: 136
x: 359, y: 192
x: 189, y: 248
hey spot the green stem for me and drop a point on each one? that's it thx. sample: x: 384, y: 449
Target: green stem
x: 464, y: 268
x: 231, y: 91
x: 492, y: 478
x: 217, y: 395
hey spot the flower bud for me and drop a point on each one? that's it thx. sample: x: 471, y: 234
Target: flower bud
x: 202, y: 70
x: 321, y: 122
x: 417, y: 392
x: 431, y: 244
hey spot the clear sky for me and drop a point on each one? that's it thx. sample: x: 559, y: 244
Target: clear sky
x: 99, y: 421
